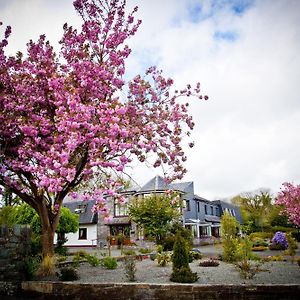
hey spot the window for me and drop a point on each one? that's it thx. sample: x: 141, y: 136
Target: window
x: 80, y: 209
x: 120, y: 210
x: 205, y: 209
x: 198, y: 206
x: 82, y: 234
x: 217, y: 211
x: 187, y: 205
x: 212, y: 210
x: 233, y: 212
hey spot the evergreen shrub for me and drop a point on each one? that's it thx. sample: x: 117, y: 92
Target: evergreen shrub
x: 180, y: 258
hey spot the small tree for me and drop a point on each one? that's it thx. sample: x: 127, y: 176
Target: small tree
x: 155, y: 213
x: 180, y: 258
x: 229, y: 230
x: 289, y: 198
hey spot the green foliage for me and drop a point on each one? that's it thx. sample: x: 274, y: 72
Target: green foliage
x: 154, y: 214
x: 256, y: 209
x: 68, y: 221
x: 129, y: 252
x: 296, y: 235
x: 291, y: 250
x: 130, y: 268
x: 68, y: 274
x: 184, y: 275
x: 260, y: 235
x: 163, y: 259
x: 109, y: 262
x: 259, y: 242
x: 6, y: 216
x: 93, y: 260
x: 245, y: 248
x: 144, y: 250
x: 180, y: 258
x: 196, y: 255
x: 247, y: 269
x: 229, y: 229
x: 159, y: 249
x: 25, y: 214
x: 76, y: 260
x: 32, y: 264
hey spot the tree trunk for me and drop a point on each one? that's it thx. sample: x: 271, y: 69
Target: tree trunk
x: 47, y: 241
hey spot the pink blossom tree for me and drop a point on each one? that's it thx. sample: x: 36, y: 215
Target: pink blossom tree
x: 289, y: 198
x: 63, y: 121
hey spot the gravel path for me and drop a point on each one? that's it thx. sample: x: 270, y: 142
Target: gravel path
x: 149, y: 272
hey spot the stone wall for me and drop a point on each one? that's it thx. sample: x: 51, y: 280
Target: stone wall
x: 14, y: 247
x: 144, y: 291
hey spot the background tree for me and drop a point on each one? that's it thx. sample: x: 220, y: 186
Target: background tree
x: 256, y: 208
x: 289, y: 199
x: 154, y: 213
x: 63, y: 121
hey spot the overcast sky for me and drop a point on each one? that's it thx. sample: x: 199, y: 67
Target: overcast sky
x: 246, y: 54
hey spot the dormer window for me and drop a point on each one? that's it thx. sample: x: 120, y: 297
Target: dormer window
x: 80, y: 209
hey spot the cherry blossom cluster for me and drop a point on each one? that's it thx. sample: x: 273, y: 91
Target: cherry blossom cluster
x: 63, y: 121
x: 289, y: 198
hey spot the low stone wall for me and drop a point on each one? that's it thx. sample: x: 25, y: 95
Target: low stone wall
x: 14, y: 247
x: 140, y: 291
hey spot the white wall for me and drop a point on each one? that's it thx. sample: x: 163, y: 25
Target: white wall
x: 73, y: 237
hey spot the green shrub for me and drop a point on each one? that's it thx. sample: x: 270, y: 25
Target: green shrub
x: 93, y: 260
x: 144, y: 250
x: 275, y: 246
x: 259, y: 242
x: 32, y: 264
x: 247, y: 270
x: 296, y: 235
x: 76, y: 260
x: 184, y: 275
x: 159, y: 248
x: 109, y: 262
x: 68, y: 274
x: 196, y: 255
x: 153, y: 256
x: 163, y: 259
x: 180, y: 258
x: 292, y: 245
x: 129, y: 252
x: 260, y: 235
x: 209, y: 263
x: 62, y: 258
x: 229, y: 228
x: 130, y: 268
x: 60, y: 250
x: 168, y: 242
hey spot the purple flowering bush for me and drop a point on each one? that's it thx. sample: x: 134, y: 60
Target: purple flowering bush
x: 279, y: 241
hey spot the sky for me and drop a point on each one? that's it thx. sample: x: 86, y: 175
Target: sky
x: 245, y: 53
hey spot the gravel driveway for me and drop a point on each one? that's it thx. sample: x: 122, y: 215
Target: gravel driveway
x: 148, y: 271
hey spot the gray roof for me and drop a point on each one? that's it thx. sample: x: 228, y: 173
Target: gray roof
x: 86, y: 216
x: 157, y: 183
x: 180, y: 186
